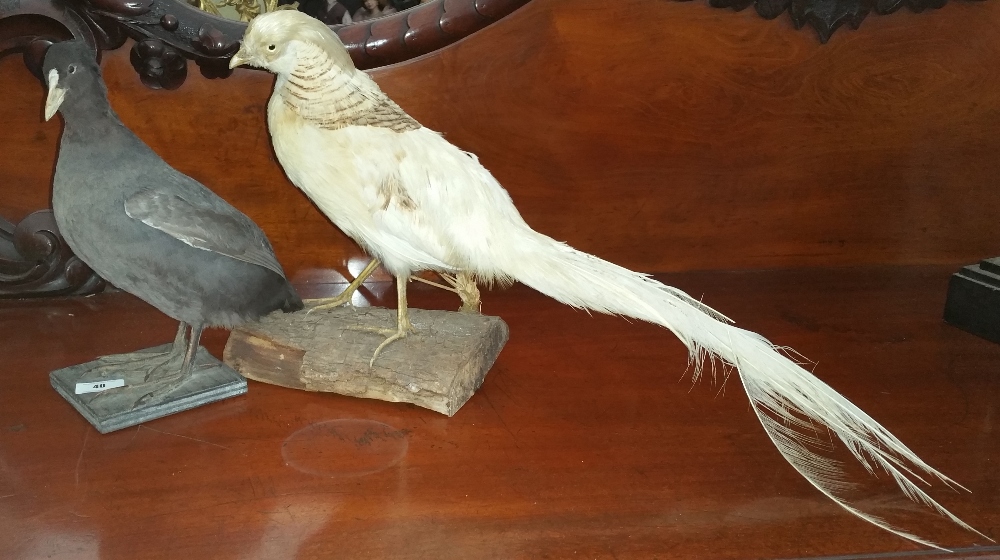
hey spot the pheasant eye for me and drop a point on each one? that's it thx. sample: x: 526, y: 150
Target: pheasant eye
x: 71, y: 69
x: 270, y: 47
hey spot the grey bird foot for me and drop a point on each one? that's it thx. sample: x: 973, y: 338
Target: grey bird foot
x: 163, y: 379
x: 162, y: 388
x: 150, y: 369
x: 118, y: 365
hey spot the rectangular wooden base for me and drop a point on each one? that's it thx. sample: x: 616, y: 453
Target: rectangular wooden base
x: 439, y: 367
x: 115, y: 409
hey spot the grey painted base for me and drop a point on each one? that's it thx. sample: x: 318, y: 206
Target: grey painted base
x: 141, y: 401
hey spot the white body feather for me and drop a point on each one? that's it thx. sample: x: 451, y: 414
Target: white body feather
x: 417, y: 202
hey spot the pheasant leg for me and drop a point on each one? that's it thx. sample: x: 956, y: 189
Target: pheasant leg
x: 348, y: 293
x: 403, y: 325
x: 463, y: 285
x: 466, y: 288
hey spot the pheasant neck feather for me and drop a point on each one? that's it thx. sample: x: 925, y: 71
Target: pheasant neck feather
x: 330, y: 97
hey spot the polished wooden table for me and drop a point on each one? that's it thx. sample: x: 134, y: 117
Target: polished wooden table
x: 586, y: 440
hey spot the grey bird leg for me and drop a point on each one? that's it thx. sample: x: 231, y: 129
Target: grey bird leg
x: 192, y: 349
x: 175, y: 380
x: 346, y: 295
x: 117, y: 365
x: 172, y: 356
x: 181, y: 336
x: 122, y: 364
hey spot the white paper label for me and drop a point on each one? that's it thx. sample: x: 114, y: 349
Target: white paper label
x: 98, y: 386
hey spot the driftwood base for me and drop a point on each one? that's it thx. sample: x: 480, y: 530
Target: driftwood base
x: 439, y: 367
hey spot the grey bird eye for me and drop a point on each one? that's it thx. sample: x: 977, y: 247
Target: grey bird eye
x: 270, y: 47
x: 71, y: 69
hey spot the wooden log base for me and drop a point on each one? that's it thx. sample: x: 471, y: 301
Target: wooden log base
x: 440, y: 366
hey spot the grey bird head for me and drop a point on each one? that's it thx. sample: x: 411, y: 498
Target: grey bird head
x: 70, y: 69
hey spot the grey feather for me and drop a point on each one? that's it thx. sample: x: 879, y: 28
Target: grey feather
x: 226, y: 233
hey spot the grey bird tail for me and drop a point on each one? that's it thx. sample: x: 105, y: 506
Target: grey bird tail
x: 292, y: 302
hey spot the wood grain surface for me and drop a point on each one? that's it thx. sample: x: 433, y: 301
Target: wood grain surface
x: 689, y: 138
x: 585, y: 441
x: 438, y: 366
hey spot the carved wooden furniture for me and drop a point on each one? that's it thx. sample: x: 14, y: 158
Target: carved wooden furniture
x: 718, y: 139
x: 825, y: 16
x: 35, y: 261
x: 168, y: 32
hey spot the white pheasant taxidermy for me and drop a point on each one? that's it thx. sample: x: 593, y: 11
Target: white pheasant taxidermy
x: 416, y: 202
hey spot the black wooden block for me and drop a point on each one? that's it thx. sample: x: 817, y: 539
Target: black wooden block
x: 973, y: 303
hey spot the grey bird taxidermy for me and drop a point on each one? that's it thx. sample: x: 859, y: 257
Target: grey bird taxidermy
x: 147, y: 228
x: 416, y: 202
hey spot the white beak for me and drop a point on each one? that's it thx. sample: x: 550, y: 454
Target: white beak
x: 238, y: 59
x: 56, y: 95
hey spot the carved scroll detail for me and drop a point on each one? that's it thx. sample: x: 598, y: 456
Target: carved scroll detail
x: 826, y: 16
x: 210, y: 41
x: 159, y: 65
x: 169, y: 29
x: 35, y: 261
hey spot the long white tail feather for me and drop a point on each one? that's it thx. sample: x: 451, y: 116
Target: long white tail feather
x: 795, y: 408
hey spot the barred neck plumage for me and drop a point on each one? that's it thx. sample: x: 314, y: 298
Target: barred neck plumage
x: 332, y: 98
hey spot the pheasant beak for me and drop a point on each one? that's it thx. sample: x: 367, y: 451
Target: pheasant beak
x: 55, y: 96
x: 239, y: 59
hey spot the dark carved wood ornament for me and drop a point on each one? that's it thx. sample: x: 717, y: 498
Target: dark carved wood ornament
x: 168, y: 33
x: 825, y: 16
x: 34, y: 259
